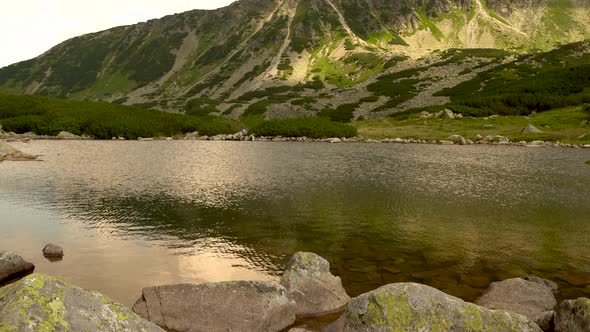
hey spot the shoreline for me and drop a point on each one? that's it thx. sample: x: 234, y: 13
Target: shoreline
x: 244, y: 137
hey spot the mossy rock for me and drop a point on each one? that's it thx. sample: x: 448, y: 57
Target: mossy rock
x: 43, y: 303
x: 416, y: 307
x: 573, y: 315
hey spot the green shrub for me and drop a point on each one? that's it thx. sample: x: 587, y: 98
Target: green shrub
x: 304, y: 127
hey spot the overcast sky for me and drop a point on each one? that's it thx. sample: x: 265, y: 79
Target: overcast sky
x: 30, y: 27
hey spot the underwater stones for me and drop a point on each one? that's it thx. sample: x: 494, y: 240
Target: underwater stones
x: 531, y: 299
x: 314, y: 289
x: 42, y: 303
x: 573, y: 316
x: 13, y: 266
x: 547, y: 283
x: 416, y: 307
x: 222, y: 306
x: 53, y: 251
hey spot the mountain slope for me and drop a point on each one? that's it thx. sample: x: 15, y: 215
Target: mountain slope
x: 234, y: 60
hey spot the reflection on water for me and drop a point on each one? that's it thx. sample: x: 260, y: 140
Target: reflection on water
x: 135, y: 214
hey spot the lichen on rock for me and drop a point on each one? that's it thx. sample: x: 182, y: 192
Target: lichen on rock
x: 43, y: 303
x: 415, y: 307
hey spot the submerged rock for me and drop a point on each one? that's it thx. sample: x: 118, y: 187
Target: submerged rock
x: 53, y: 251
x: 222, y: 306
x: 531, y: 299
x: 416, y: 307
x: 8, y: 153
x: 314, y: 289
x: 547, y: 283
x: 13, y: 266
x: 42, y: 303
x: 573, y: 316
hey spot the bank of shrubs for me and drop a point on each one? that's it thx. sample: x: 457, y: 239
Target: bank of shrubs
x: 311, y: 127
x: 48, y: 116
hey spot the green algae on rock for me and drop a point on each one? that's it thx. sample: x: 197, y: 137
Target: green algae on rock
x: 416, y: 307
x: 43, y: 303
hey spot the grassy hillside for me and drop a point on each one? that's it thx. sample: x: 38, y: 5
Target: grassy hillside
x: 49, y: 116
x: 252, y: 45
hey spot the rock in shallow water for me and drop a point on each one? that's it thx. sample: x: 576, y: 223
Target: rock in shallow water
x: 314, y: 289
x: 222, y: 306
x: 42, y: 303
x: 53, y: 251
x: 416, y: 307
x: 573, y: 316
x: 532, y: 299
x: 13, y: 266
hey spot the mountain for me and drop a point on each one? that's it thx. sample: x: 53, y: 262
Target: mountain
x: 284, y: 58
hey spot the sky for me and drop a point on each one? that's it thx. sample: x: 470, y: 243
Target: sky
x: 30, y: 27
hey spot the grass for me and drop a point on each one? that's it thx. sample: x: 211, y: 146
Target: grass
x: 563, y: 125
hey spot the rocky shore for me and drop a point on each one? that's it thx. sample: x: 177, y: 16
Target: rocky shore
x: 307, y: 289
x: 245, y: 136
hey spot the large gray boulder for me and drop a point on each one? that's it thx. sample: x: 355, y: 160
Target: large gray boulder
x: 222, y: 306
x: 8, y: 153
x: 416, y: 307
x: 13, y: 266
x: 530, y: 129
x: 573, y: 316
x: 67, y: 135
x: 314, y: 289
x: 528, y: 298
x: 42, y: 303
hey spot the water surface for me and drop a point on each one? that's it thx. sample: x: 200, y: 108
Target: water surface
x: 137, y: 214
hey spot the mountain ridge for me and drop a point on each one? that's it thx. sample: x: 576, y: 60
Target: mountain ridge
x: 217, y: 59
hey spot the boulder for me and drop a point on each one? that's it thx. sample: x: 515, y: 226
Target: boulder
x: 8, y: 153
x: 314, y: 289
x: 13, y: 266
x: 334, y: 140
x: 192, y: 136
x: 530, y: 129
x: 53, y: 250
x: 42, y: 303
x: 66, y: 135
x: 573, y: 316
x: 416, y: 307
x: 528, y: 298
x: 447, y: 114
x: 425, y: 115
x: 222, y: 306
x: 458, y: 139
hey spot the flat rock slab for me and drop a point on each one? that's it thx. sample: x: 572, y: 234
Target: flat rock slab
x: 8, y: 153
x: 573, y: 316
x: 534, y: 299
x: 222, y: 306
x: 314, y: 289
x: 13, y: 266
x: 42, y: 303
x: 416, y: 307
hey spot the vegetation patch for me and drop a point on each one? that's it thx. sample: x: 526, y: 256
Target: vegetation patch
x: 304, y: 127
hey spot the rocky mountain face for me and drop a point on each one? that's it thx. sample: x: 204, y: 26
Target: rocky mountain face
x: 274, y: 57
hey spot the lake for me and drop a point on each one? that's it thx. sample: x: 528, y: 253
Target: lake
x: 136, y: 214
